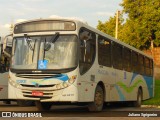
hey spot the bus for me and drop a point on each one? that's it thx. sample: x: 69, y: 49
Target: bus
x: 5, y: 52
x: 67, y: 61
x: 5, y: 58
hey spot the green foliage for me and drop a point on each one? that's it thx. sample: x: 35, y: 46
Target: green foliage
x: 156, y: 99
x: 108, y: 27
x: 142, y: 25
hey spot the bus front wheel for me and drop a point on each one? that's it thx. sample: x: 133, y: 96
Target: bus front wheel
x: 97, y: 104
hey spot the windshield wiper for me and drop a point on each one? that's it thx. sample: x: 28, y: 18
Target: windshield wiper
x: 52, y: 40
x: 28, y: 41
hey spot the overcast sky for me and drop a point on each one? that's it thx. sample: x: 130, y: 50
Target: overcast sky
x: 12, y: 11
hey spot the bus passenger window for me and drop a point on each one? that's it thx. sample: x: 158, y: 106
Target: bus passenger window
x: 104, y: 51
x: 127, y: 59
x: 87, y: 50
x: 147, y: 66
x: 151, y: 67
x: 117, y: 56
x: 134, y: 62
x: 141, y: 64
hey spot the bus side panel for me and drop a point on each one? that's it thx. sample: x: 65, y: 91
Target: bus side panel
x: 3, y: 91
x: 90, y: 80
x: 86, y: 87
x: 127, y: 85
x: 4, y: 85
x: 108, y: 76
x: 149, y: 89
x: 122, y: 84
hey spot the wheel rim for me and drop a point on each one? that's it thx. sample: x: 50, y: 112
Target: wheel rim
x: 99, y: 98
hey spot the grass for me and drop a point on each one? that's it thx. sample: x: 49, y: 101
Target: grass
x: 156, y: 99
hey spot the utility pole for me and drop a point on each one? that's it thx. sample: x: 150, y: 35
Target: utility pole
x: 117, y: 21
x: 11, y: 28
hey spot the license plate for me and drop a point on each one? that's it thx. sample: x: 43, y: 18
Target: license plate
x: 37, y: 93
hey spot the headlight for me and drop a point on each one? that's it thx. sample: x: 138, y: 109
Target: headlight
x: 65, y: 84
x: 18, y: 85
x: 72, y: 79
x: 14, y: 84
x: 58, y: 86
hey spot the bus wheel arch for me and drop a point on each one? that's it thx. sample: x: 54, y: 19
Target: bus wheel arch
x: 140, y: 88
x: 99, y: 97
x: 101, y: 84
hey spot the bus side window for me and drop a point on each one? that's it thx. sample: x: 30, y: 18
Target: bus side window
x: 134, y: 62
x: 117, y: 56
x: 141, y: 64
x: 147, y: 66
x: 127, y: 59
x: 87, y: 49
x: 151, y: 67
x: 104, y: 51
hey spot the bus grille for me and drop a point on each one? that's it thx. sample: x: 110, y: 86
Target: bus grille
x: 36, y: 76
x: 39, y: 86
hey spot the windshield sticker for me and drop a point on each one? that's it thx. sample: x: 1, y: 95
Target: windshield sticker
x: 42, y: 64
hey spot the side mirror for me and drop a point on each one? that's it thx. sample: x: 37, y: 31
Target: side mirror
x: 47, y: 47
x: 7, y: 45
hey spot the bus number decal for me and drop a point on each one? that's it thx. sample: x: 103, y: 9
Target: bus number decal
x: 67, y: 95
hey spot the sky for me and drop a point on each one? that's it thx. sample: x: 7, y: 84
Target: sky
x: 90, y: 11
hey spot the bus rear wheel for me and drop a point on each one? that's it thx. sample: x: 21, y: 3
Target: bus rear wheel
x: 43, y: 105
x: 138, y: 102
x: 97, y: 104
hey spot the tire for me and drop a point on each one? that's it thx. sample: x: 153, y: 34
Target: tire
x: 23, y: 103
x: 97, y: 104
x: 41, y: 106
x: 138, y: 102
x: 7, y: 102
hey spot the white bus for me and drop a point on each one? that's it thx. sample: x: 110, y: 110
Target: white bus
x: 5, y: 52
x: 65, y: 60
x: 5, y: 57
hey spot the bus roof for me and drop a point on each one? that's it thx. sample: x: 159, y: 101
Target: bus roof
x: 84, y: 24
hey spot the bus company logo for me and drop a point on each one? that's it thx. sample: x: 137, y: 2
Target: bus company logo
x: 20, y: 115
x: 6, y: 114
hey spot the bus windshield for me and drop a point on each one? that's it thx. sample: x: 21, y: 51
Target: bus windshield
x: 29, y: 53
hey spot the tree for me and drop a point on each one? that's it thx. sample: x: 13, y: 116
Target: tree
x: 108, y: 27
x: 144, y: 16
x: 141, y: 26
